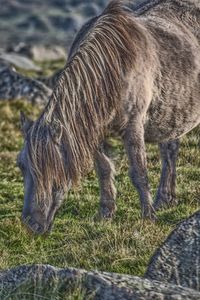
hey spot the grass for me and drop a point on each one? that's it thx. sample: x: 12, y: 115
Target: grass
x: 123, y: 245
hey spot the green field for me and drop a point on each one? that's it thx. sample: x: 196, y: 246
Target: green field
x: 123, y: 245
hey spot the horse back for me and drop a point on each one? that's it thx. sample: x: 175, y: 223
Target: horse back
x: 185, y: 12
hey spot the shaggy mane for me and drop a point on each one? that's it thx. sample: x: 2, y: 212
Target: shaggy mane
x: 85, y: 100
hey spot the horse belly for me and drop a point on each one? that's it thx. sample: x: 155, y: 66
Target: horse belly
x: 168, y: 121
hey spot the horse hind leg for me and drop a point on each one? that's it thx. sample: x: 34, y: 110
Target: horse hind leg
x: 106, y: 172
x: 166, y: 195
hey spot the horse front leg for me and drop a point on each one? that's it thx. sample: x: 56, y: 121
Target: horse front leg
x: 135, y: 147
x: 166, y: 195
x: 106, y: 172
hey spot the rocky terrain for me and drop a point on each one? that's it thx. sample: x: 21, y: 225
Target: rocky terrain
x: 44, y: 22
x: 49, y: 22
x: 173, y: 273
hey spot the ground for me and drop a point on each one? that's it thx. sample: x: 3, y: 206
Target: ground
x: 123, y: 245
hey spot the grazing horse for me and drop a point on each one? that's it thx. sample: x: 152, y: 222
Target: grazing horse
x: 134, y: 72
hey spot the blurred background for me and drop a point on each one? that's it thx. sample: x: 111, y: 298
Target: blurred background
x: 46, y: 22
x: 24, y: 23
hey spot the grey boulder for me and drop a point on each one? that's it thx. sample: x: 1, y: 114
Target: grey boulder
x: 177, y: 261
x: 30, y: 282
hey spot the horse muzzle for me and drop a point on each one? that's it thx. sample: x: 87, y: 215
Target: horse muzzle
x: 36, y: 225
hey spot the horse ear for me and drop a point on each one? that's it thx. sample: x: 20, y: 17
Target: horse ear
x: 56, y: 130
x: 25, y: 123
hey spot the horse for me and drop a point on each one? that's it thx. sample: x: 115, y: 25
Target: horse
x: 134, y: 72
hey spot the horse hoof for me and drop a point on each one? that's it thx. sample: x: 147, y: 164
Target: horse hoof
x: 150, y: 215
x: 161, y: 203
x: 104, y: 214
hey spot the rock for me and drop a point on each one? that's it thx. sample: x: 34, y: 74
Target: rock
x: 33, y: 22
x: 177, y: 261
x: 41, y: 53
x: 64, y: 23
x: 52, y: 53
x: 53, y: 283
x: 19, y: 61
x: 16, y: 86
